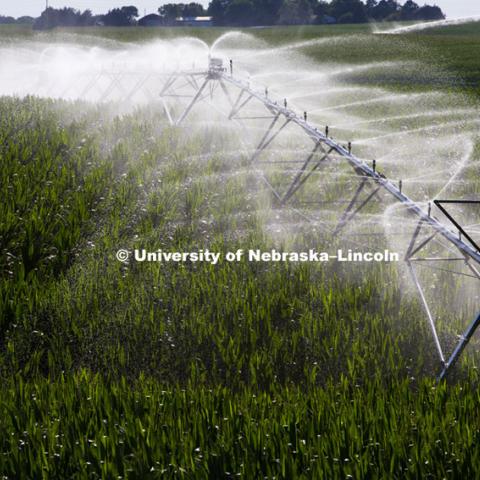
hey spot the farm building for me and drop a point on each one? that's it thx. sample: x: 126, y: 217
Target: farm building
x: 151, y: 20
x: 194, y: 21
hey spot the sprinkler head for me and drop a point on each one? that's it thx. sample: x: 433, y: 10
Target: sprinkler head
x: 216, y: 64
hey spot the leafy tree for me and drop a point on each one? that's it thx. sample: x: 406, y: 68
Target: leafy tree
x: 217, y: 9
x: 428, y: 12
x: 247, y: 13
x: 193, y: 10
x: 86, y: 19
x: 385, y: 10
x: 295, y: 12
x: 170, y: 11
x: 409, y: 10
x: 240, y: 13
x: 121, y: 17
x: 25, y: 20
x: 267, y: 11
x: 370, y: 6
x: 348, y: 11
x: 64, y: 17
x: 130, y: 12
x: 6, y: 20
x: 320, y: 9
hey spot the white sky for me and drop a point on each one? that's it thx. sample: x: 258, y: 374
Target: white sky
x: 17, y: 8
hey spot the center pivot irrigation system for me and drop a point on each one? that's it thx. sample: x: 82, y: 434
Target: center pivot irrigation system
x: 188, y: 88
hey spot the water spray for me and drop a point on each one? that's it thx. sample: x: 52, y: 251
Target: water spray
x: 417, y: 27
x: 238, y: 95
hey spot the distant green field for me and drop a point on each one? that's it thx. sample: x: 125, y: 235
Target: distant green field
x: 454, y: 48
x: 136, y: 371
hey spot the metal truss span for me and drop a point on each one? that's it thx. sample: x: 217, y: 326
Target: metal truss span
x: 282, y: 116
x: 194, y: 86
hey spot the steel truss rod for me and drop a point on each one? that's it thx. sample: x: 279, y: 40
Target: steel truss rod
x: 472, y: 268
x: 348, y: 214
x: 225, y: 91
x: 254, y: 118
x: 452, y: 272
x: 192, y: 81
x: 301, y: 177
x: 237, y: 101
x: 422, y: 244
x: 93, y: 81
x: 464, y: 339
x: 167, y: 111
x: 427, y: 310
x: 269, y: 137
x: 193, y: 102
x: 236, y: 107
x: 168, y: 84
x: 177, y: 95
x: 438, y: 259
x: 115, y: 82
x: 136, y: 87
x: 466, y: 336
x: 438, y: 203
x: 411, y: 250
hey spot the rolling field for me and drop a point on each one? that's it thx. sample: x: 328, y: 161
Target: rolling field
x: 235, y: 370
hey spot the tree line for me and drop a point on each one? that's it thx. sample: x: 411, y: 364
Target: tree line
x: 304, y: 12
x: 25, y: 20
x: 243, y: 13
